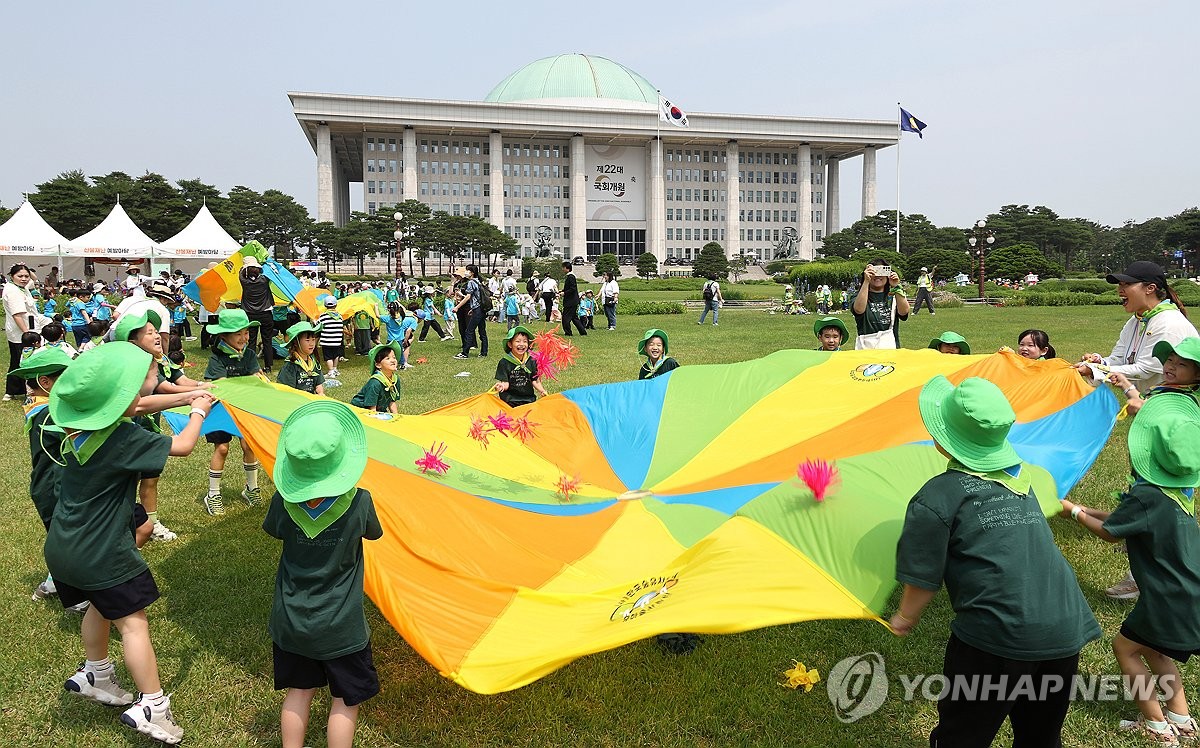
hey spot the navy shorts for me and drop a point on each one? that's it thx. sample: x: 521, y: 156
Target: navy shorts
x: 139, y: 518
x: 218, y: 437
x: 332, y: 352
x: 114, y: 602
x: 1179, y: 655
x: 351, y: 678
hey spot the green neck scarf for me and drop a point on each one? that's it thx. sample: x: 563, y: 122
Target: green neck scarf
x: 312, y: 522
x: 33, y: 406
x: 84, y: 444
x: 389, y: 385
x: 1015, y: 479
x: 229, y: 350
x: 519, y: 364
x: 1165, y: 305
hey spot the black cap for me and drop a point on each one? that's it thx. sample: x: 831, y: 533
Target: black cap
x: 1141, y: 271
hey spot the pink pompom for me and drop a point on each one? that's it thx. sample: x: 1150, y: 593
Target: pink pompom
x: 820, y: 476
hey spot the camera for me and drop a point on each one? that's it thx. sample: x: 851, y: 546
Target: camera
x: 883, y: 270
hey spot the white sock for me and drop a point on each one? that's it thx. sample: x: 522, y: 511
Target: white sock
x: 155, y: 699
x: 1156, y: 725
x: 251, y: 469
x: 98, y: 666
x: 214, y: 482
x: 1179, y: 719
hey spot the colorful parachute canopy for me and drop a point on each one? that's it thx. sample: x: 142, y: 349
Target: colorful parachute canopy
x: 683, y: 511
x: 220, y: 282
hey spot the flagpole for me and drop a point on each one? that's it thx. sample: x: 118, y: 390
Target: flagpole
x: 899, y: 139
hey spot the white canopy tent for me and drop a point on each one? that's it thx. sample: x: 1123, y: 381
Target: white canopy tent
x: 117, y: 239
x: 201, y: 242
x: 27, y: 238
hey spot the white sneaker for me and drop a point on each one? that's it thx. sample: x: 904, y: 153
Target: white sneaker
x: 214, y: 504
x: 44, y: 590
x: 155, y: 721
x: 190, y: 337
x: 447, y: 337
x: 409, y: 366
x: 80, y: 608
x: 7, y: 397
x: 162, y: 532
x: 101, y: 687
x: 1126, y: 589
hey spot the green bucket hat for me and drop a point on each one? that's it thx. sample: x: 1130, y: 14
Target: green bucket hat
x: 824, y: 322
x: 970, y: 421
x: 294, y: 331
x: 952, y: 338
x: 1164, y: 441
x: 653, y: 333
x: 513, y: 333
x: 1188, y: 348
x: 44, y: 361
x: 131, y: 323
x: 97, y: 388
x: 394, y: 346
x: 322, y: 452
x: 230, y: 320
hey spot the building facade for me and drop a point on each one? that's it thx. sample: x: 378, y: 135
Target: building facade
x: 569, y: 154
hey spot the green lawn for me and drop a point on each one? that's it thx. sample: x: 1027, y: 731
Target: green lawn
x: 215, y: 656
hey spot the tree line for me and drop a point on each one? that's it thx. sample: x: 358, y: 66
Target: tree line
x: 74, y: 203
x: 1027, y: 239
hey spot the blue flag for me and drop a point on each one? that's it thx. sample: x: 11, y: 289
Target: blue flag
x: 909, y: 123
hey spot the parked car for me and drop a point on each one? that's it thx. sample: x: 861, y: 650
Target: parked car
x: 669, y: 261
x: 625, y: 261
x: 577, y: 261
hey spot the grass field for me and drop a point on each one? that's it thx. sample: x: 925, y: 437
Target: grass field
x: 209, y: 628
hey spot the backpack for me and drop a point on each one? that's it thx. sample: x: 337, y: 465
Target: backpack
x: 708, y: 291
x: 531, y: 287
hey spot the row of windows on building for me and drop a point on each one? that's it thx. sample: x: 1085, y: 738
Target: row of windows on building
x: 560, y: 232
x: 454, y: 209
x: 455, y: 168
x: 718, y: 216
x: 391, y: 166
x: 535, y: 211
x: 384, y: 188
x: 466, y: 189
x: 378, y: 144
x: 704, y: 156
x: 547, y: 171
x: 681, y: 194
x: 744, y: 177
x: 535, y: 150
x: 465, y: 147
x: 562, y: 192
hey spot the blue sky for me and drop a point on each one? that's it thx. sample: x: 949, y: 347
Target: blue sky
x: 1086, y: 107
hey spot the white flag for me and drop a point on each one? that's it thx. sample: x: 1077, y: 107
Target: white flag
x: 668, y: 112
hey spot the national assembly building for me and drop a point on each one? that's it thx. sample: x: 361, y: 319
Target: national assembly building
x: 571, y: 153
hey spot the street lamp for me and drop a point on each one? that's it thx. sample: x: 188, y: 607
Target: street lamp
x: 981, y: 241
x: 399, y: 237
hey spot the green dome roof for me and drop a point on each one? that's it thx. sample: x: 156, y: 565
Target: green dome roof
x: 575, y: 76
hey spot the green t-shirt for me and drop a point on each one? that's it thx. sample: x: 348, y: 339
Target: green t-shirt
x: 89, y: 544
x: 1164, y: 553
x: 878, y: 315
x: 668, y: 364
x: 318, y: 610
x: 222, y: 364
x: 1013, y: 593
x: 362, y: 321
x: 520, y: 378
x: 375, y: 395
x: 44, y: 452
x: 293, y: 375
x: 168, y: 371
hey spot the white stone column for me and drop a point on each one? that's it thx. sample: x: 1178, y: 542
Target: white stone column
x: 324, y: 174
x: 410, y: 164
x: 733, y: 221
x: 868, y: 182
x: 338, y: 197
x: 657, y: 213
x: 579, y: 183
x: 496, y: 177
x: 833, y: 198
x: 804, y: 245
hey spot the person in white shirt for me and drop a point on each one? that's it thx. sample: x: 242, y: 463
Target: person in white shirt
x: 608, y: 299
x: 1157, y: 315
x: 133, y: 283
x: 549, y: 291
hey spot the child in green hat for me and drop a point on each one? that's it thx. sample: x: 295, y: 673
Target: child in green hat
x: 517, y: 378
x: 1181, y: 372
x: 318, y: 630
x: 951, y: 343
x: 1156, y: 517
x: 40, y: 371
x: 232, y: 356
x: 979, y: 529
x: 302, y: 370
x: 89, y: 548
x: 653, y: 346
x: 382, y: 390
x: 831, y: 333
x: 172, y: 390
